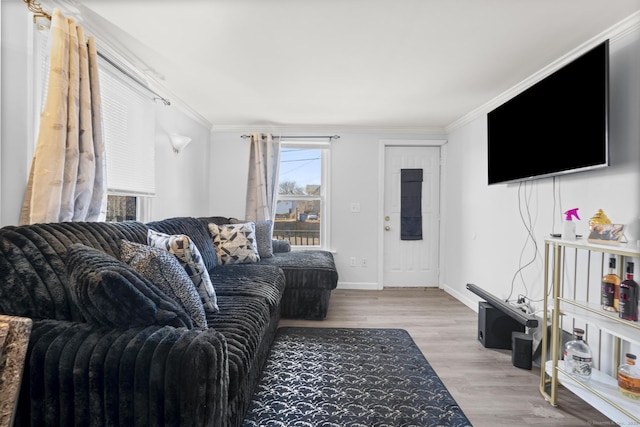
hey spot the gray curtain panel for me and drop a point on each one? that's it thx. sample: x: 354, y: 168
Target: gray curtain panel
x: 67, y: 181
x: 262, y: 183
x: 411, y: 204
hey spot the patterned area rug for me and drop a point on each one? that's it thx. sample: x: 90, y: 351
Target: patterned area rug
x: 350, y: 377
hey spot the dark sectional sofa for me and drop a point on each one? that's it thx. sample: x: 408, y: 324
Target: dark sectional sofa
x: 132, y: 356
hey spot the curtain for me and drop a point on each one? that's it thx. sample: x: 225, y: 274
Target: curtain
x: 262, y: 184
x: 67, y: 180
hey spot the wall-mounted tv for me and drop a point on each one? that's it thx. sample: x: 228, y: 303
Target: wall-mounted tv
x: 557, y: 126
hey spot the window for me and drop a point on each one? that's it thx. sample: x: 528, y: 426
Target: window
x: 301, y: 210
x: 128, y: 129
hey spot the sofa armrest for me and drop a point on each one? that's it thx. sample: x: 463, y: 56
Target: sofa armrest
x: 281, y: 246
x: 80, y: 374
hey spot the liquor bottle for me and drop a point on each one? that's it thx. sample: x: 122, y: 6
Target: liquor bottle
x: 629, y: 378
x: 628, y: 296
x: 578, y: 359
x: 610, y: 288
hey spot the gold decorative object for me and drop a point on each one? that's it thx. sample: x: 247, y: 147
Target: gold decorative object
x: 36, y: 8
x: 598, y: 218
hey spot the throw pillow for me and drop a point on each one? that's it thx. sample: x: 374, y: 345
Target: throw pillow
x: 187, y: 253
x: 111, y: 293
x: 163, y: 270
x: 264, y: 236
x: 235, y: 243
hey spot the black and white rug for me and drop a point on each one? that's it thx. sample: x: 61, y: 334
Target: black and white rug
x: 350, y: 377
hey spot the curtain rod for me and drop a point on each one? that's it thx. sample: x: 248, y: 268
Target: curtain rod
x: 329, y: 137
x: 164, y: 100
x: 37, y: 11
x: 36, y: 8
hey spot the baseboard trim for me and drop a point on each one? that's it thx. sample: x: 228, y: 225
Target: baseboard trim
x: 466, y: 298
x: 366, y: 286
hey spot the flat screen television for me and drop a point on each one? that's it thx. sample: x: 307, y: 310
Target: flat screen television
x: 557, y: 126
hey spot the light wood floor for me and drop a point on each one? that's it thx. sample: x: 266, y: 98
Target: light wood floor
x: 484, y: 382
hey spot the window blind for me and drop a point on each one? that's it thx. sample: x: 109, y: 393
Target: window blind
x: 129, y: 129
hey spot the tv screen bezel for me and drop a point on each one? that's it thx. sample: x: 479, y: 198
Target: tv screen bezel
x: 604, y: 142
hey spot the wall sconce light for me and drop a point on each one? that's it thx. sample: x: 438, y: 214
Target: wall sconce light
x: 178, y: 142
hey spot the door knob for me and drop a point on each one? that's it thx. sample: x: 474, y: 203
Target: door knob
x: 387, y: 228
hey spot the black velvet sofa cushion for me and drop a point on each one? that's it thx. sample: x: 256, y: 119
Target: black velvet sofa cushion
x: 306, y: 269
x: 81, y: 374
x: 249, y: 297
x: 33, y: 264
x: 311, y: 276
x: 111, y: 293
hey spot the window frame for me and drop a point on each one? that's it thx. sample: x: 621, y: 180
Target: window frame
x: 323, y: 197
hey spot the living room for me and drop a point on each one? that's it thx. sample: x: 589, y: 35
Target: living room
x: 482, y: 237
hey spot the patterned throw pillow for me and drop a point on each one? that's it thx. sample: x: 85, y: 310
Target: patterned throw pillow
x: 163, y: 270
x: 111, y: 293
x: 264, y: 236
x: 187, y: 253
x: 235, y: 243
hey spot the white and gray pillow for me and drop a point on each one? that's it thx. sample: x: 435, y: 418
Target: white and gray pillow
x: 264, y: 236
x: 187, y: 253
x: 235, y: 243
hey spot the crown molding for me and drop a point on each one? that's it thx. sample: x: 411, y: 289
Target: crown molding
x: 280, y: 129
x: 614, y: 33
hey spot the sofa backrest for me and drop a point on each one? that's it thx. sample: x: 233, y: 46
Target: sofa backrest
x: 33, y: 278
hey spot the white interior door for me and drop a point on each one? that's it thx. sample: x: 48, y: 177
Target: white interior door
x: 411, y: 263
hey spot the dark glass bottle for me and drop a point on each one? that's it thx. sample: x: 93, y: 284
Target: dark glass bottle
x: 628, y: 296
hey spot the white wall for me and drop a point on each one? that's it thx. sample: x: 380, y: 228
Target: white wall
x: 354, y: 178
x: 483, y: 236
x: 16, y: 108
x: 181, y: 180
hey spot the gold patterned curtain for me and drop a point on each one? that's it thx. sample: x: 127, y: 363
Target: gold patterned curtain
x: 67, y: 181
x: 262, y: 184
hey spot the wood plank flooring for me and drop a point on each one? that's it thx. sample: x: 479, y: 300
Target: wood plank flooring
x: 484, y: 382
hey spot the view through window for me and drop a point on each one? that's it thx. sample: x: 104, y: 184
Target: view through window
x: 121, y: 208
x: 299, y: 209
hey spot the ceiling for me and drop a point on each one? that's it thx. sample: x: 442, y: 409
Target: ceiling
x: 383, y: 64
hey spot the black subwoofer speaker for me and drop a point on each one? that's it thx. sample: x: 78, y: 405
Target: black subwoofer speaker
x: 495, y: 327
x: 521, y: 350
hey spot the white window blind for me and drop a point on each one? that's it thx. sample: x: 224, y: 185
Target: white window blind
x: 128, y: 115
x: 129, y: 129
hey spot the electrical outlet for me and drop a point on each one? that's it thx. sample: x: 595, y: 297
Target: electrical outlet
x: 364, y: 262
x: 352, y: 261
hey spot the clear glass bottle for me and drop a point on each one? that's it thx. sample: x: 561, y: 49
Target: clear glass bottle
x: 629, y: 378
x: 578, y: 359
x: 610, y: 288
x: 628, y: 295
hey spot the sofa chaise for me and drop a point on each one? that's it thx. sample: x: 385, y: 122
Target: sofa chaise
x: 127, y: 332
